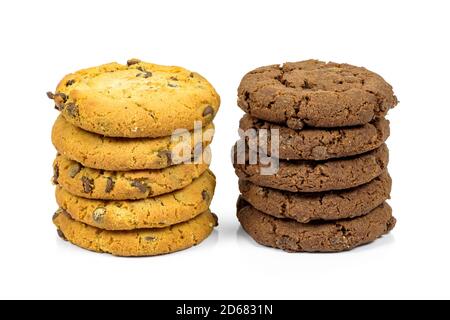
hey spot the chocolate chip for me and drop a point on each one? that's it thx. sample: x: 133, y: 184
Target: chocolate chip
x: 166, y: 154
x: 60, y: 99
x: 150, y: 238
x: 109, y: 185
x: 208, y: 111
x: 133, y: 61
x: 216, y: 219
x: 145, y: 74
x: 173, y: 78
x: 140, y: 185
x: 74, y: 169
x: 57, y: 213
x: 98, y: 214
x: 172, y: 85
x: 72, y: 109
x: 55, y: 174
x: 295, y: 124
x: 50, y: 95
x: 191, y: 75
x: 88, y: 184
x: 61, y: 234
x: 70, y: 82
x: 205, y: 195
x: 60, y: 95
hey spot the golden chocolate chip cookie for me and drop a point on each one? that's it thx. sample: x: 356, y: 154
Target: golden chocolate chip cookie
x: 136, y: 100
x: 123, y: 185
x: 123, y: 154
x: 157, y: 212
x: 133, y: 243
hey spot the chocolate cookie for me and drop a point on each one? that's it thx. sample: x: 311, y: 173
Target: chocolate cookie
x: 124, y: 185
x: 330, y: 236
x: 135, y: 243
x: 137, y: 100
x: 318, y: 144
x: 316, y: 94
x: 157, y: 212
x: 330, y: 205
x: 123, y: 154
x: 316, y: 176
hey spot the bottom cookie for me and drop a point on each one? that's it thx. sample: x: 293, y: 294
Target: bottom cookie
x: 143, y: 242
x: 336, y: 236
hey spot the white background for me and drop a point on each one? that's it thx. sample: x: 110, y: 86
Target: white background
x: 405, y: 41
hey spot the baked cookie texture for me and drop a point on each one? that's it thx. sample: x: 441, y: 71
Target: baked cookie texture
x: 134, y: 243
x: 312, y: 176
x: 316, y: 143
x: 315, y: 93
x: 91, y: 183
x: 155, y: 212
x: 332, y: 236
x: 136, y: 100
x: 124, y: 154
x: 306, y: 207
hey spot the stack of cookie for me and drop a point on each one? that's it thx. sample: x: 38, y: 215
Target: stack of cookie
x: 132, y: 166
x: 321, y: 128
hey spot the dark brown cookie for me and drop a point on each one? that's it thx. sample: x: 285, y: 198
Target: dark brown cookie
x: 318, y: 144
x: 317, y: 176
x: 315, y: 93
x: 335, y: 236
x: 306, y: 207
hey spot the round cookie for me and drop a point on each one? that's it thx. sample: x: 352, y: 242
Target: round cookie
x: 330, y: 205
x: 124, y: 185
x: 314, y: 143
x: 312, y: 176
x: 315, y: 93
x: 123, y: 154
x: 332, y: 236
x: 134, y: 243
x: 157, y: 212
x: 137, y: 100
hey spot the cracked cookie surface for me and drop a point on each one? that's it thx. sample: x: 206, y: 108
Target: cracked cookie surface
x: 306, y: 207
x: 137, y: 100
x: 333, y: 236
x: 316, y: 176
x: 316, y: 94
x: 318, y: 144
x: 156, y: 212
x: 124, y: 185
x: 123, y: 154
x: 135, y: 243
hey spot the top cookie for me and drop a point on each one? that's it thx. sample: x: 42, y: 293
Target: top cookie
x: 136, y: 100
x: 315, y: 93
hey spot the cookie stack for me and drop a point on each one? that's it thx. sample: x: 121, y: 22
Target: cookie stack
x: 322, y: 127
x: 131, y: 173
